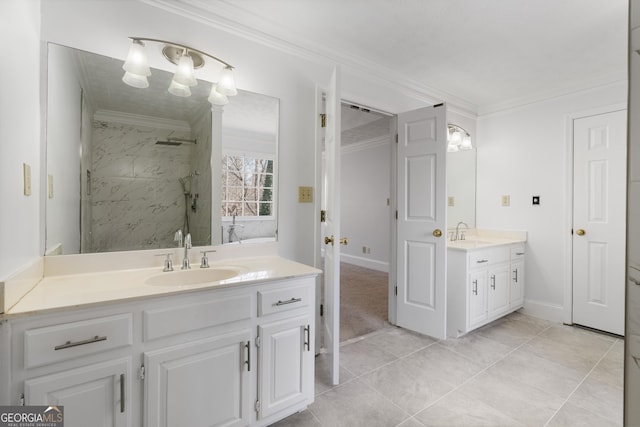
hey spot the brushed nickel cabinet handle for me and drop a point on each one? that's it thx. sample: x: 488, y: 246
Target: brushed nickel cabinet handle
x: 70, y: 344
x: 248, y: 361
x: 289, y: 301
x: 122, y: 399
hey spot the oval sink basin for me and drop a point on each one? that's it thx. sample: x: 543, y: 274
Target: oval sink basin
x: 192, y: 277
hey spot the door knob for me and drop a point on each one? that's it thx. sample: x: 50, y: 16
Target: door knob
x: 344, y: 241
x: 437, y: 232
x: 580, y: 232
x: 328, y: 240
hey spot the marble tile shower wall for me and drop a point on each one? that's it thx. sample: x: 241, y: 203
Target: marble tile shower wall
x: 137, y: 199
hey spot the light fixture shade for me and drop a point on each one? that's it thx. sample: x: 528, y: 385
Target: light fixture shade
x: 135, y: 80
x: 216, y: 98
x: 137, y: 62
x: 452, y: 148
x: 184, y: 73
x: 227, y: 84
x: 456, y: 137
x: 466, y: 143
x: 178, y: 89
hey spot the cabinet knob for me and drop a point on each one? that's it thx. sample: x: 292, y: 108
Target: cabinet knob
x: 580, y: 232
x: 437, y: 232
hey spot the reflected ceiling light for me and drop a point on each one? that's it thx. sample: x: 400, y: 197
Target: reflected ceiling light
x: 458, y: 139
x: 187, y: 60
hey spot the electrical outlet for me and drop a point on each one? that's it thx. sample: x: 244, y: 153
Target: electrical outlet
x: 535, y: 200
x: 451, y: 201
x: 364, y: 249
x: 26, y: 172
x: 506, y: 200
x: 305, y: 194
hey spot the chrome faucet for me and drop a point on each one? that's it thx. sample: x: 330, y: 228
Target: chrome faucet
x: 457, y: 235
x: 187, y: 245
x: 178, y: 238
x: 232, y: 230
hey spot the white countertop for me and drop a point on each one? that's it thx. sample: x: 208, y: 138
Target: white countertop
x: 480, y: 239
x: 74, y: 290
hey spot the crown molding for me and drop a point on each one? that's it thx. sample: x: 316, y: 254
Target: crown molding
x: 140, y: 120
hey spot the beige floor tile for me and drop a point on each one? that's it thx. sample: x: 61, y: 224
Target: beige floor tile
x: 609, y: 371
x: 409, y: 388
x: 577, y: 357
x: 300, y: 419
x: 361, y: 357
x: 511, y: 333
x: 573, y: 416
x: 411, y: 422
x: 457, y: 410
x: 355, y: 405
x: 441, y: 363
x: 576, y: 336
x: 538, y: 372
x: 600, y: 398
x: 522, y: 402
x: 323, y: 374
x: 477, y: 348
x: 538, y: 324
x: 400, y: 342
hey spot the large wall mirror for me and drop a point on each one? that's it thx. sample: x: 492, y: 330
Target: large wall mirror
x: 461, y: 188
x: 127, y: 168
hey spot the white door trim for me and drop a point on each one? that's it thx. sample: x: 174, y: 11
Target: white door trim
x: 567, y: 311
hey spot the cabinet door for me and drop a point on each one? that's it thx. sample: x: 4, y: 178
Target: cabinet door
x: 200, y: 383
x: 285, y: 365
x: 498, y: 290
x: 94, y: 395
x: 477, y: 294
x: 517, y: 283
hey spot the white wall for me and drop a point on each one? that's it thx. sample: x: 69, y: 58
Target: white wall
x: 365, y: 215
x: 20, y: 135
x: 523, y: 152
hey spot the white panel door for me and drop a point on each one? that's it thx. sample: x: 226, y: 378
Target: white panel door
x: 332, y: 226
x: 94, y: 395
x: 599, y: 221
x: 421, y: 241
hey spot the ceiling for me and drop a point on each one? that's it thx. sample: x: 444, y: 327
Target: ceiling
x: 484, y: 55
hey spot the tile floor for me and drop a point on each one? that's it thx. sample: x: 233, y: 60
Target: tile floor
x: 517, y: 371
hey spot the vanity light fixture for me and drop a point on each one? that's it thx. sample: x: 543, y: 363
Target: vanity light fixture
x: 187, y: 60
x: 458, y: 139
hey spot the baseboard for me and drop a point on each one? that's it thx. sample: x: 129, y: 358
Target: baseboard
x: 551, y: 312
x: 364, y: 262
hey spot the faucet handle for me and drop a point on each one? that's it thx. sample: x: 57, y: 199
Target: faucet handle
x: 204, y: 263
x: 168, y: 265
x: 178, y: 238
x: 187, y: 241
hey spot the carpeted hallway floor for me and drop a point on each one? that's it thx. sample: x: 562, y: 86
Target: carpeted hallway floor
x: 363, y: 300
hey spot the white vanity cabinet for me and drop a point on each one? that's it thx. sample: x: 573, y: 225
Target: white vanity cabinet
x: 483, y: 284
x: 234, y: 356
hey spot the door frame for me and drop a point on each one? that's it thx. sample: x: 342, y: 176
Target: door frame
x: 567, y: 307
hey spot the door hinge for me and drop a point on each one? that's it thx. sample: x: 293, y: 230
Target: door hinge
x: 258, y: 406
x: 323, y: 120
x: 141, y: 373
x: 396, y: 138
x: 22, y: 399
x: 258, y: 341
x: 323, y: 216
x: 321, y: 309
x: 438, y: 105
x: 396, y: 214
x: 396, y: 290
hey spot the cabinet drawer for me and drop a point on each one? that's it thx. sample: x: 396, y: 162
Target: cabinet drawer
x: 162, y: 322
x: 283, y: 299
x: 484, y: 257
x: 517, y: 251
x: 56, y: 343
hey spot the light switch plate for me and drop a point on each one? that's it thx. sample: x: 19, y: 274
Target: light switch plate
x: 506, y: 200
x: 305, y: 194
x: 451, y: 201
x: 26, y: 172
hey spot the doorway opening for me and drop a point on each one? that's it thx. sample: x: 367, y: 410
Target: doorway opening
x: 365, y: 211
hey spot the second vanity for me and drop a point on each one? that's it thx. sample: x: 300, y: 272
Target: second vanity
x: 146, y: 347
x: 485, y: 278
